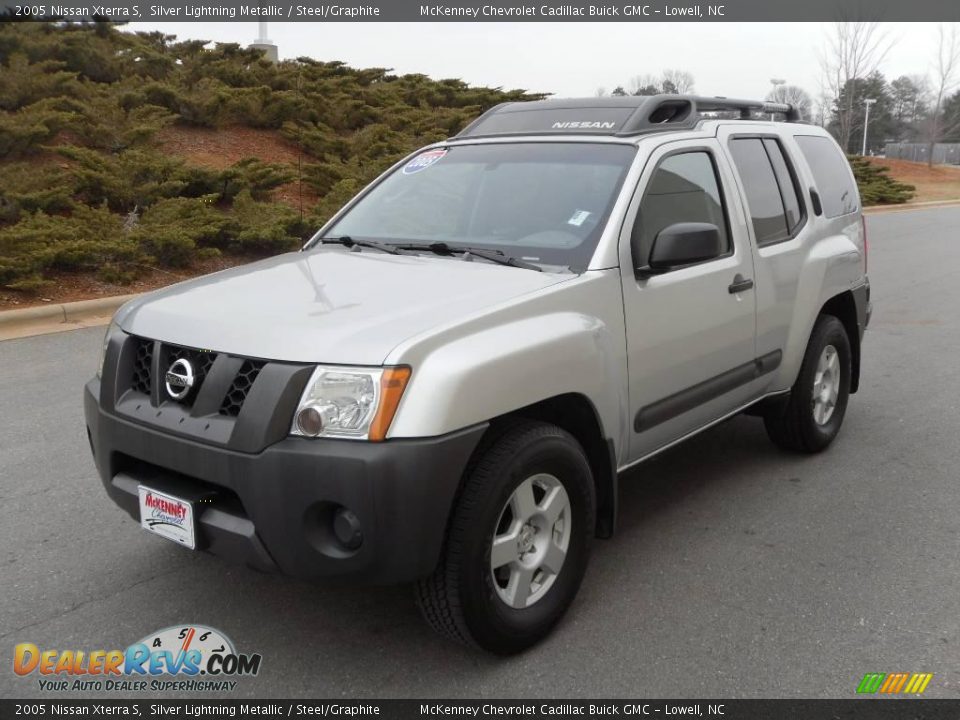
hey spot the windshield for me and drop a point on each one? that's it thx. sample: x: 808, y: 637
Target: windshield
x: 541, y: 202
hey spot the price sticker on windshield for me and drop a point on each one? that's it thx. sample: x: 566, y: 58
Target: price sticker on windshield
x: 423, y: 161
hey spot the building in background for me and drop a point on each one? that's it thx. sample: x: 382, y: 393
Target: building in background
x: 264, y: 43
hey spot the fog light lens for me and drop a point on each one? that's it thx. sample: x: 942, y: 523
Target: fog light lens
x: 310, y: 421
x: 346, y: 528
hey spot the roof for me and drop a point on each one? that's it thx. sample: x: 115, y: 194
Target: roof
x: 613, y: 116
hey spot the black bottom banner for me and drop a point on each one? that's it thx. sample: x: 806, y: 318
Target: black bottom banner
x: 879, y: 709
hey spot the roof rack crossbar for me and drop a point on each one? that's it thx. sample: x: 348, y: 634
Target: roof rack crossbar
x: 747, y: 107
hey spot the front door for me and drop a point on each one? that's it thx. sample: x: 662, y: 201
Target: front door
x: 690, y: 330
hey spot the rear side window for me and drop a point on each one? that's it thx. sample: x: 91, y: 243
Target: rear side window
x: 787, y: 183
x: 763, y: 192
x: 831, y: 173
x: 684, y: 188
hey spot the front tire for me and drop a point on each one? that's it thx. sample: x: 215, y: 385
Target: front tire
x: 811, y: 418
x: 518, y: 542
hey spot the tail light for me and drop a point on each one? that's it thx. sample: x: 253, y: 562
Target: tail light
x: 863, y: 222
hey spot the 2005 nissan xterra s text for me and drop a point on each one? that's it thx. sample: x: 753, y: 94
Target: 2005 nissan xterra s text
x: 444, y: 385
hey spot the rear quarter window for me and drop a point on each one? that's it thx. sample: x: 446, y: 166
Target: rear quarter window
x: 832, y: 174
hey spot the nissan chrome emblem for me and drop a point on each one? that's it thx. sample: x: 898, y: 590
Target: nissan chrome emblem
x: 179, y: 379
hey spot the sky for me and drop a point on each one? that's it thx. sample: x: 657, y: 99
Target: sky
x: 575, y: 59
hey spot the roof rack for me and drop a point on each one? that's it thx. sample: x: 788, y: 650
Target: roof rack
x: 617, y: 116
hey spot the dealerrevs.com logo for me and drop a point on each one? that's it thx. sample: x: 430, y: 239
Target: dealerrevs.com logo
x: 181, y: 657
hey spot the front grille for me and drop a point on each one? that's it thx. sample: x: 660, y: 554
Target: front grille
x: 142, y: 366
x: 202, y: 361
x: 237, y: 394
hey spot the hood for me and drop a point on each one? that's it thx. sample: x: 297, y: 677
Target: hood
x: 329, y: 305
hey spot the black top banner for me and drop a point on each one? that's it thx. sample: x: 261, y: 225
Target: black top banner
x: 487, y: 10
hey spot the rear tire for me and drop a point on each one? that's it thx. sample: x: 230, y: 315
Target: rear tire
x: 810, y: 420
x: 518, y: 542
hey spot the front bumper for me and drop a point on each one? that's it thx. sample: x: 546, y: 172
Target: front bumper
x: 273, y: 510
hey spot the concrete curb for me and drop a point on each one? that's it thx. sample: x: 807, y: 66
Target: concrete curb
x: 904, y: 207
x: 58, y: 317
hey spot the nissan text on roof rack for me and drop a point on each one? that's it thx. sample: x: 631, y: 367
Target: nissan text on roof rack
x: 445, y: 384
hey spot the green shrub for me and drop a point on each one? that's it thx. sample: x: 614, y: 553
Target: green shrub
x: 201, y: 181
x: 124, y: 181
x: 30, y: 283
x: 259, y: 177
x: 94, y: 98
x: 204, y: 104
x: 23, y: 83
x: 27, y: 187
x: 264, y: 227
x: 113, y: 120
x: 171, y: 230
x: 262, y: 107
x: 255, y: 176
x: 322, y: 177
x: 25, y: 131
x: 39, y: 243
x: 317, y: 139
x: 876, y: 186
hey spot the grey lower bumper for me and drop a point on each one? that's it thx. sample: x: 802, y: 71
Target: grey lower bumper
x: 273, y: 510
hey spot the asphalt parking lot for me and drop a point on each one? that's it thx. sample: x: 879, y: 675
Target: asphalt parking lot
x: 738, y: 571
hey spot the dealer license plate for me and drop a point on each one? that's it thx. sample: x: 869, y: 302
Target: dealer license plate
x: 167, y: 516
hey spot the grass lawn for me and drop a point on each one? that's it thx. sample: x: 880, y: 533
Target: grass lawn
x: 940, y: 182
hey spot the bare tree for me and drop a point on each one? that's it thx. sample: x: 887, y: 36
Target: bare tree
x: 669, y: 81
x: 795, y: 96
x: 946, y: 71
x: 600, y: 92
x: 853, y: 51
x: 646, y: 84
x: 680, y: 80
x: 824, y: 104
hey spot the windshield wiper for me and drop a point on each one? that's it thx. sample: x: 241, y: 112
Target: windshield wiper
x: 496, y: 256
x: 348, y: 241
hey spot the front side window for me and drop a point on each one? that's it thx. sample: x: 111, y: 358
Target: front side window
x: 542, y: 202
x: 683, y: 189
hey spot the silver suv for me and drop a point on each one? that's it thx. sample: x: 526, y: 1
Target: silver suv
x: 446, y: 383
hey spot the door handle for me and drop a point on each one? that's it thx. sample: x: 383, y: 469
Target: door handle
x: 739, y: 284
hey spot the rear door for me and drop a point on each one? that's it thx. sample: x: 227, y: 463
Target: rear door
x: 778, y: 222
x: 690, y: 331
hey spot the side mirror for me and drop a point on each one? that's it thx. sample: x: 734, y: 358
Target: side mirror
x: 684, y: 244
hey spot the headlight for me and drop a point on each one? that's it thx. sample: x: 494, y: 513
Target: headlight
x: 111, y: 328
x: 356, y: 403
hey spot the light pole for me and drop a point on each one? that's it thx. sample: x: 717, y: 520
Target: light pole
x: 866, y: 121
x: 773, y: 93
